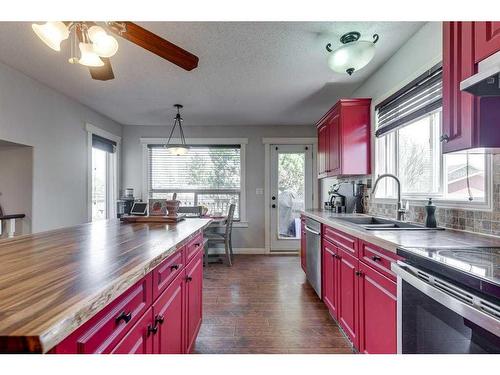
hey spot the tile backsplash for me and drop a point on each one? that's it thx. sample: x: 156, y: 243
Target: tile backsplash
x: 487, y: 222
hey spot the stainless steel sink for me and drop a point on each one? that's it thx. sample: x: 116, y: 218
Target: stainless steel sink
x: 377, y: 223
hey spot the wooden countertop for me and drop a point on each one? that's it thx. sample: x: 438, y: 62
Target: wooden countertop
x: 391, y: 240
x: 53, y: 282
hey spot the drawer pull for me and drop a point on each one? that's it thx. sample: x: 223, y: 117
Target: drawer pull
x: 189, y: 278
x: 159, y: 319
x: 358, y: 273
x: 197, y: 245
x: 123, y: 316
x: 376, y: 258
x: 152, y: 329
x: 174, y: 267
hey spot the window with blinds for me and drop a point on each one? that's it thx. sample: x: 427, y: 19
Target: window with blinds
x: 417, y: 99
x: 208, y: 175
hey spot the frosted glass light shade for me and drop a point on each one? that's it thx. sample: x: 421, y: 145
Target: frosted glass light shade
x: 51, y: 33
x: 104, y: 44
x: 88, y: 56
x: 354, y: 55
x: 178, y: 150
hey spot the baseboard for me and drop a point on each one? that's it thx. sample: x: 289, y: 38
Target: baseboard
x: 240, y: 250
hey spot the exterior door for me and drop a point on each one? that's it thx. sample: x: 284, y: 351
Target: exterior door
x: 291, y: 191
x: 168, y: 313
x: 194, y: 285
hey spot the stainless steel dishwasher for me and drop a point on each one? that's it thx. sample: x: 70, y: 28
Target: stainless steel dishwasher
x: 313, y: 254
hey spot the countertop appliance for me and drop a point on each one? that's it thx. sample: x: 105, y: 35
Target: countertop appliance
x: 448, y: 300
x: 313, y: 254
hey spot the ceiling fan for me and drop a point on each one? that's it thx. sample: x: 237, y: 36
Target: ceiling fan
x: 92, y: 44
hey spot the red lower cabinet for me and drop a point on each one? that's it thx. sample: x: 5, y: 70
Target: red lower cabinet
x: 303, y: 244
x: 348, y: 296
x: 377, y: 312
x: 139, y: 340
x: 194, y: 285
x: 330, y: 277
x: 168, y: 312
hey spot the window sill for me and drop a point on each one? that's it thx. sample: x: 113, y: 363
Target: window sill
x: 440, y: 203
x: 236, y: 224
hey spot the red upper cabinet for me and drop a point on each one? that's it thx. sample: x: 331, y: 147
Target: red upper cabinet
x: 468, y: 121
x: 487, y: 40
x: 344, y: 139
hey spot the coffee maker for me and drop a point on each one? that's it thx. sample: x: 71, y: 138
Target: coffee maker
x: 125, y: 203
x: 337, y: 202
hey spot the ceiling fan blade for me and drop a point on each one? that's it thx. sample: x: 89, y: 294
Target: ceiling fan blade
x: 155, y: 44
x: 102, y: 73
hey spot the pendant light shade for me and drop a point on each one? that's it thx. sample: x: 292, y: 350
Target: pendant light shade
x: 88, y: 56
x: 353, y: 55
x: 177, y: 149
x: 51, y: 33
x: 104, y: 44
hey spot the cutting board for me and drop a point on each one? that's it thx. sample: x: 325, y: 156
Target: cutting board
x: 151, y: 219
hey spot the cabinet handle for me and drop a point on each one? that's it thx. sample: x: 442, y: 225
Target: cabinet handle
x: 189, y: 278
x: 159, y: 319
x: 123, y: 316
x: 196, y: 245
x: 376, y: 258
x: 174, y: 267
x: 444, y: 138
x: 358, y: 273
x: 152, y: 329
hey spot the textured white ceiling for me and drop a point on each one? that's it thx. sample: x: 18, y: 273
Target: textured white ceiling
x: 250, y: 73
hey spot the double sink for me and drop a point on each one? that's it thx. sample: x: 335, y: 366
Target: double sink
x: 377, y: 223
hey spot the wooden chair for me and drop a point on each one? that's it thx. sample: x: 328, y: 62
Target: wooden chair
x: 190, y: 210
x: 225, y: 238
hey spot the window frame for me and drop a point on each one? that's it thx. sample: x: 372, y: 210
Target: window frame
x: 420, y: 199
x: 242, y: 142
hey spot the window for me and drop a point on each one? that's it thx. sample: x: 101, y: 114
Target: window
x: 408, y: 145
x: 206, y: 175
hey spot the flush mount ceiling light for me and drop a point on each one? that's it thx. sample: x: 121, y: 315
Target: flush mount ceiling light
x: 92, y: 45
x: 353, y: 55
x: 177, y: 149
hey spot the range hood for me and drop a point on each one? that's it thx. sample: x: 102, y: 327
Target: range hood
x: 486, y: 82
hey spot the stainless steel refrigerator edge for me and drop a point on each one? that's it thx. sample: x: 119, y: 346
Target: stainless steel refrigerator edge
x: 313, y: 254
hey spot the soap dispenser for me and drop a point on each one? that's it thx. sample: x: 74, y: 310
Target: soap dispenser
x: 430, y: 210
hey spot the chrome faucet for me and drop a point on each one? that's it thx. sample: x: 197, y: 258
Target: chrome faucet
x: 401, y: 211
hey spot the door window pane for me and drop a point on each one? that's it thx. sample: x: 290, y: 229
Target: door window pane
x: 99, y: 188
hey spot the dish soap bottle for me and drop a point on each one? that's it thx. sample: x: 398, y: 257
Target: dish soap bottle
x: 430, y: 210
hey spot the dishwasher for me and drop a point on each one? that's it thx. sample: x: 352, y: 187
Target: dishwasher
x: 313, y: 254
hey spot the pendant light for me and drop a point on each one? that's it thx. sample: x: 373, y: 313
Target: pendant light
x: 52, y: 33
x: 353, y: 55
x: 177, y: 149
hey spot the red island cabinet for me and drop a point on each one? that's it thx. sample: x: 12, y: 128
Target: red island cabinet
x: 194, y: 285
x: 139, y: 340
x: 344, y: 139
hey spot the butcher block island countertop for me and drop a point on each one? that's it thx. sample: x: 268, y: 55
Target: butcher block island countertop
x: 53, y: 282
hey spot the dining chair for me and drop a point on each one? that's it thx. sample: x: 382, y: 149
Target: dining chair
x: 225, y: 238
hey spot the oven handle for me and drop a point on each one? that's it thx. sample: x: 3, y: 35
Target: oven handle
x: 469, y: 312
x: 312, y: 231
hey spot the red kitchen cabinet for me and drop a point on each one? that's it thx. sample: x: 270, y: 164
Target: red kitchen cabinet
x: 348, y: 301
x: 377, y: 312
x: 169, y: 312
x: 329, y: 277
x: 344, y: 139
x: 468, y: 121
x: 194, y: 285
x: 139, y: 340
x: 487, y: 40
x: 303, y: 244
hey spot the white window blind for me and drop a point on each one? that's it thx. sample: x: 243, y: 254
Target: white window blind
x: 207, y: 175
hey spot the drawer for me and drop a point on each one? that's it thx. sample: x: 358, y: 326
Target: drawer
x: 377, y: 258
x: 341, y: 239
x: 101, y: 333
x: 193, y: 246
x: 167, y: 271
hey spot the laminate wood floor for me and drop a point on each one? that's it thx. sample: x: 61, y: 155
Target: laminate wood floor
x: 263, y: 305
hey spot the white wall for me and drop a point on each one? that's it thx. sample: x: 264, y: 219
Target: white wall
x: 53, y: 124
x: 253, y: 236
x: 422, y: 51
x: 16, y: 185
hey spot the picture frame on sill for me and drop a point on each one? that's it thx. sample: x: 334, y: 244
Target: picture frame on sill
x: 157, y: 207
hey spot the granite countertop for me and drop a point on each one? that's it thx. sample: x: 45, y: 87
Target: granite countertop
x: 391, y: 240
x: 51, y: 283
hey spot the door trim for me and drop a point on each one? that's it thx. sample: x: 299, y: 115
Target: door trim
x: 309, y: 141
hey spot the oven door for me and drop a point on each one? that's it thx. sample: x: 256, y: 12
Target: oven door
x: 436, y: 317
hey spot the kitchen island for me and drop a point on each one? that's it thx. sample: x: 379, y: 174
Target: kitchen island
x: 53, y: 283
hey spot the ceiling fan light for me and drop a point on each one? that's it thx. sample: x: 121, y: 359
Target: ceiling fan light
x: 178, y: 150
x: 52, y: 33
x: 104, y: 44
x: 355, y: 55
x: 88, y: 56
